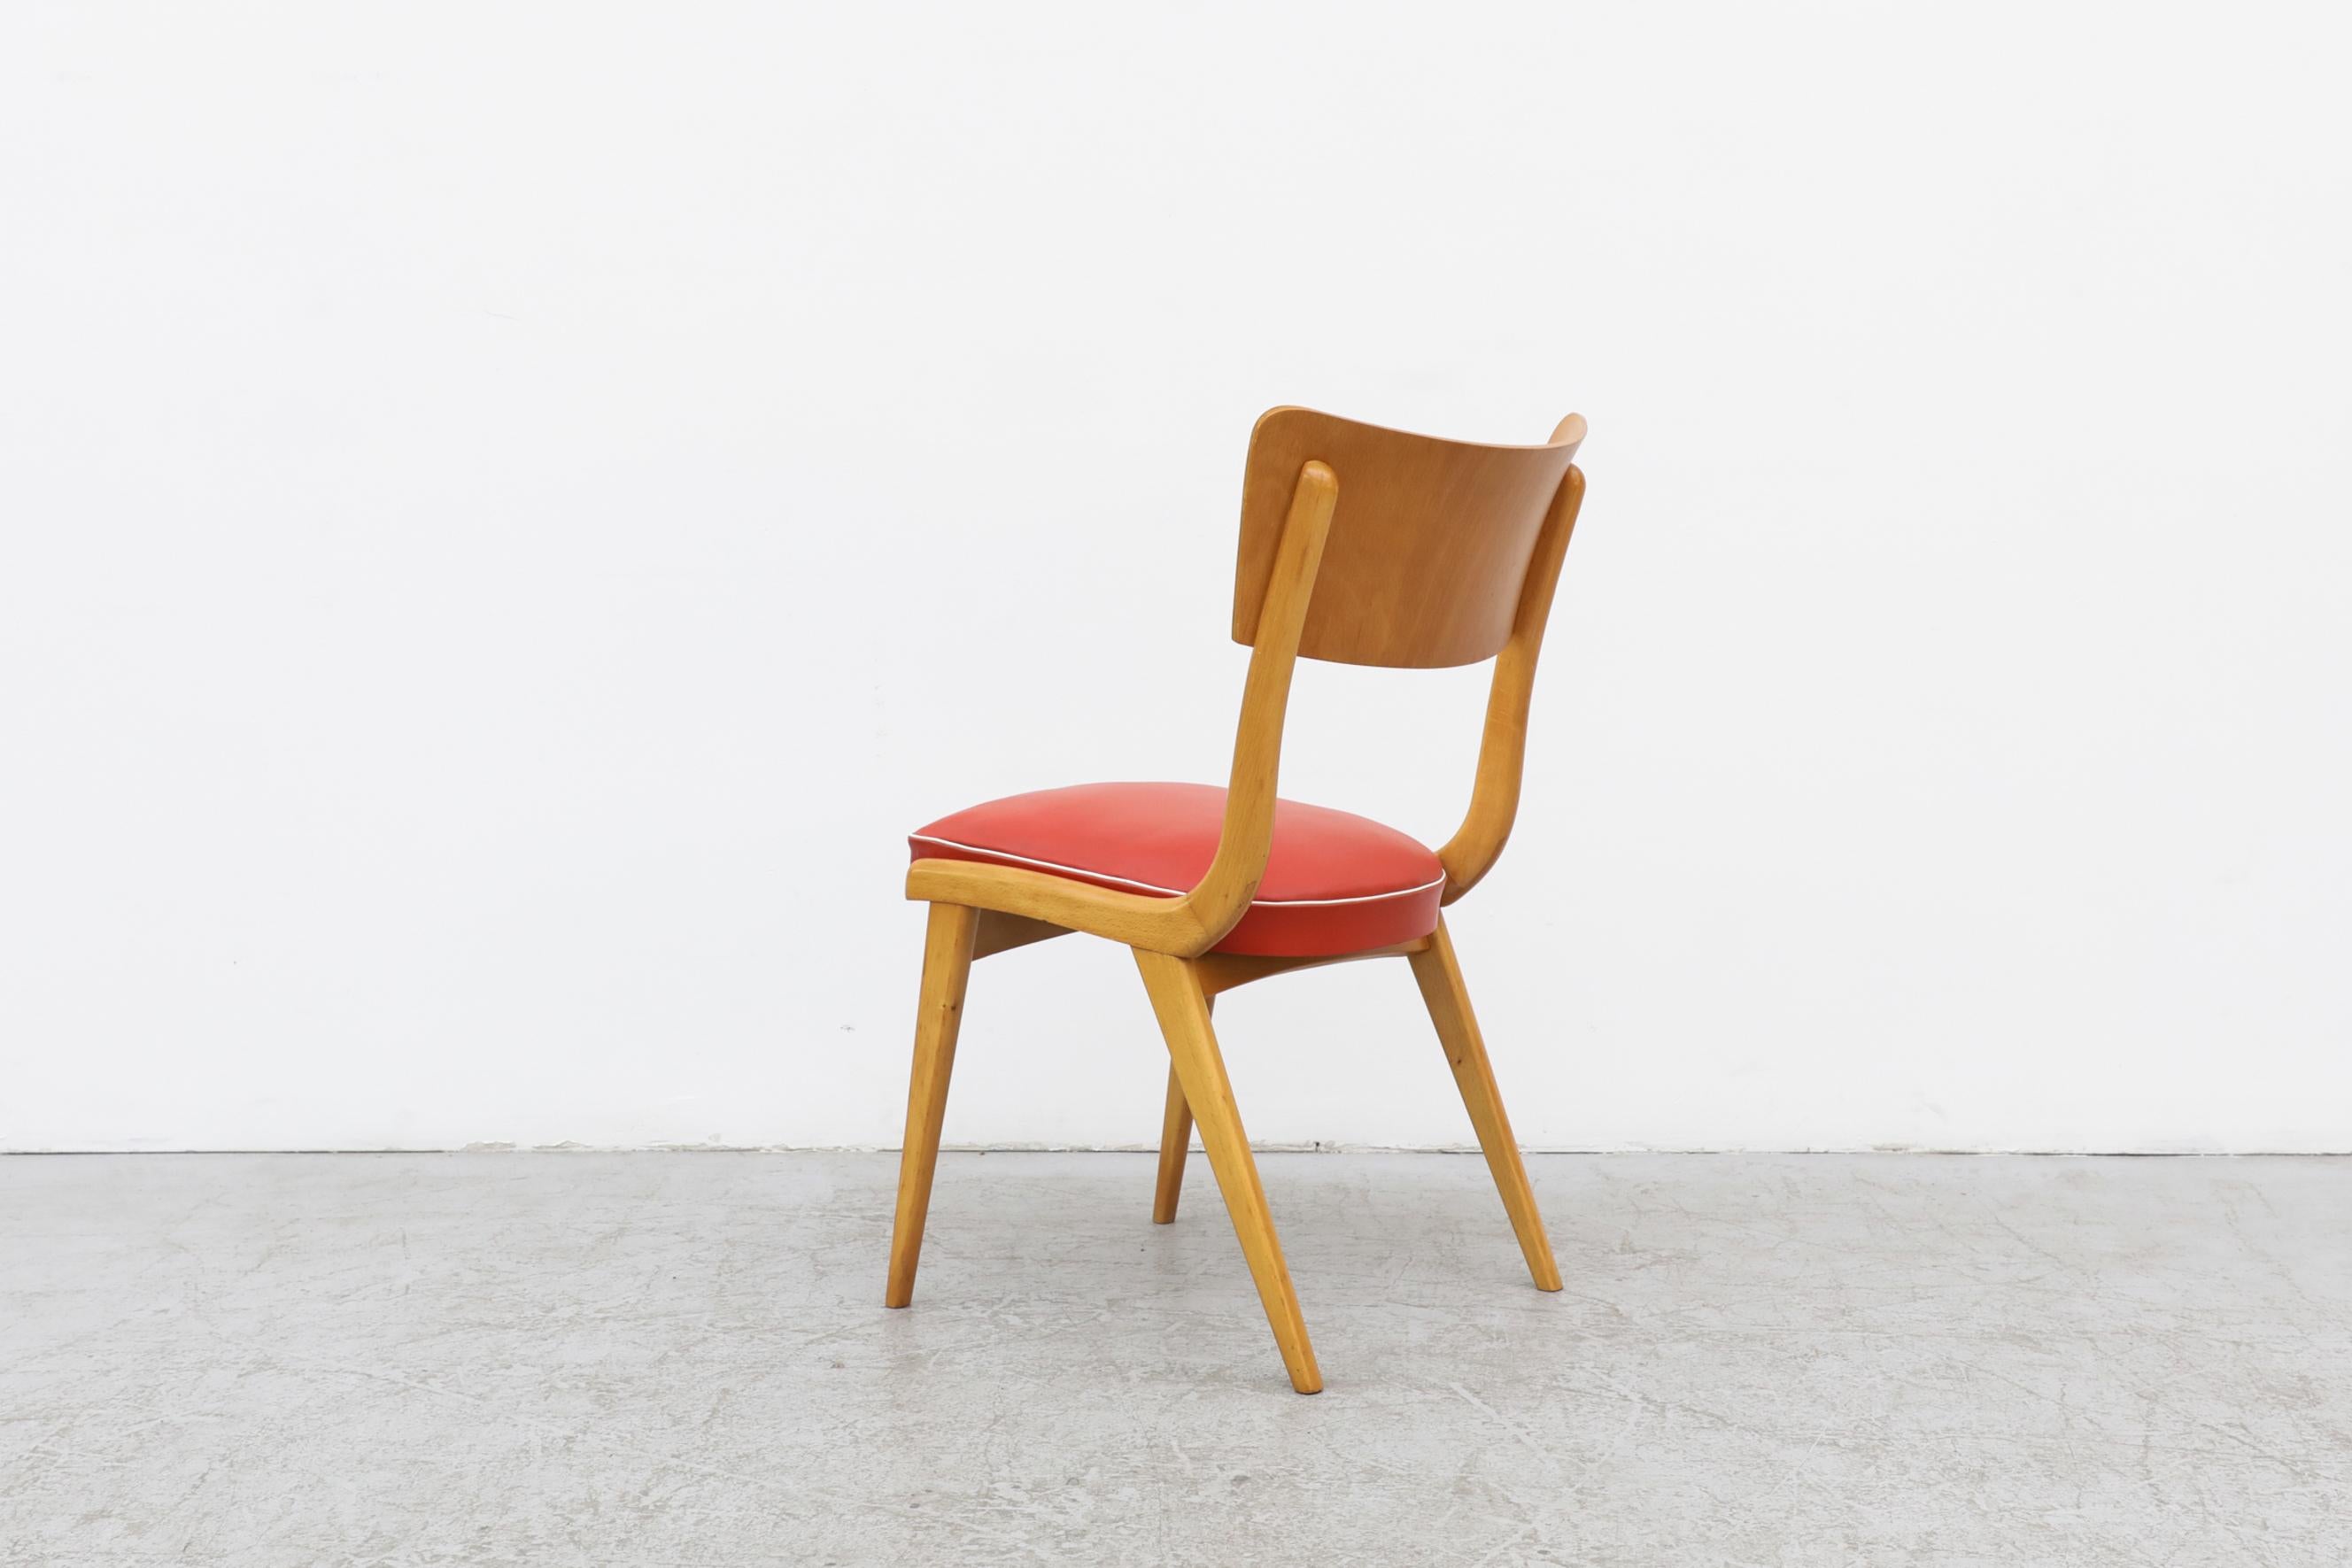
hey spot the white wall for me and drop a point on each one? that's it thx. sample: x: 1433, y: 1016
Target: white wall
x: 511, y: 511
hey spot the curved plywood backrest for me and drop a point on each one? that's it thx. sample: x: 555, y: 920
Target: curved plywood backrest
x: 1427, y: 549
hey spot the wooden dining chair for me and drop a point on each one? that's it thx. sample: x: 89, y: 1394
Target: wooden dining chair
x: 1360, y: 545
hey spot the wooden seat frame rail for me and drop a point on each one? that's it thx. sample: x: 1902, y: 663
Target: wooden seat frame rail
x: 979, y: 909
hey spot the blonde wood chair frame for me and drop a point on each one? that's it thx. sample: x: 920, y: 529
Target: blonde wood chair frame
x: 1381, y: 617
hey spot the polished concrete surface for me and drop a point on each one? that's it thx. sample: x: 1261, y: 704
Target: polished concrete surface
x: 682, y: 1359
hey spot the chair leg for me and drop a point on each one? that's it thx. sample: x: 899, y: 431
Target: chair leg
x: 1184, y: 1011
x: 1175, y: 1143
x: 947, y: 963
x: 1440, y: 977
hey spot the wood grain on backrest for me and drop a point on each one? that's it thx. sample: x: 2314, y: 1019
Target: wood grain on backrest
x: 1427, y: 549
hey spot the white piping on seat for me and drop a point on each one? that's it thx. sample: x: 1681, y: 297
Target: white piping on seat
x: 1172, y: 892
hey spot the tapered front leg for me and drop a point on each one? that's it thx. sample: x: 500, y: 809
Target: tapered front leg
x: 947, y: 963
x: 1449, y: 1008
x: 1184, y: 1011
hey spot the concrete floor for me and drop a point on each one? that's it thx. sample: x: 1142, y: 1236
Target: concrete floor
x: 682, y: 1359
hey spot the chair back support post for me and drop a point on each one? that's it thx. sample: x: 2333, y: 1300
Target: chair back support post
x: 1223, y: 895
x: 1474, y: 847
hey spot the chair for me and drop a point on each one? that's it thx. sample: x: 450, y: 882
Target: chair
x: 1360, y: 545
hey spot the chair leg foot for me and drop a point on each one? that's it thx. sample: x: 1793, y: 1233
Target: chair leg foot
x: 1183, y: 1012
x: 1440, y: 977
x: 947, y: 963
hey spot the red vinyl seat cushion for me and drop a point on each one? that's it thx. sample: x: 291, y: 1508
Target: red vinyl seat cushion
x: 1334, y: 883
